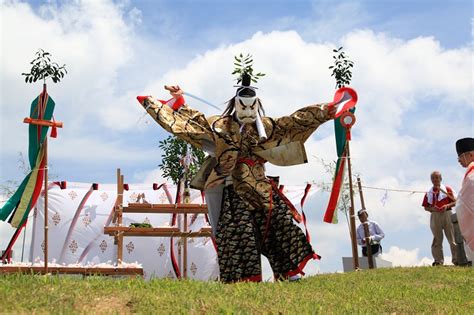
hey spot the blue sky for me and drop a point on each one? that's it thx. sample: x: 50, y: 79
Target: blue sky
x: 413, y: 74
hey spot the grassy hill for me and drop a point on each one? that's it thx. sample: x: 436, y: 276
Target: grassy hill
x: 428, y: 290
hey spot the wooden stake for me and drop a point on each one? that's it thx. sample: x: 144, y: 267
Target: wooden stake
x: 120, y: 180
x: 186, y: 200
x: 185, y: 248
x: 366, y: 228
x: 355, y: 254
x: 45, y: 143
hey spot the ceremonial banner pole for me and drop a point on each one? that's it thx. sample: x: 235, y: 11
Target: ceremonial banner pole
x: 186, y: 200
x: 19, y: 205
x: 46, y: 204
x: 41, y: 122
x: 45, y: 191
x: 347, y: 121
x: 366, y: 228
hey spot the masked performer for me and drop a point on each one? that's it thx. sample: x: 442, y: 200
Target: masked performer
x: 249, y: 215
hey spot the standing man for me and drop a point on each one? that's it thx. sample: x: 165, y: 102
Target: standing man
x: 375, y: 232
x: 439, y: 200
x: 465, y: 201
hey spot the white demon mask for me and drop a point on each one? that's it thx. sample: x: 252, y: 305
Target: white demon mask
x: 247, y: 106
x: 246, y: 109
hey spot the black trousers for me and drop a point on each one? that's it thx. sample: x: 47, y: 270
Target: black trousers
x: 243, y: 235
x: 375, y: 249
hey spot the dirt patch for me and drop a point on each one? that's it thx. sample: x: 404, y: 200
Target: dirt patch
x: 106, y: 305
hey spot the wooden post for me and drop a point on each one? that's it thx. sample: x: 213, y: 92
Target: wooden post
x: 355, y: 254
x: 186, y: 200
x: 366, y: 228
x: 185, y: 248
x: 179, y: 224
x: 45, y: 143
x: 118, y: 210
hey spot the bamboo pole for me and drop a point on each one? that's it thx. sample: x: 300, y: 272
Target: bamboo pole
x: 186, y: 200
x: 45, y: 143
x: 355, y: 254
x: 119, y: 217
x: 23, y: 246
x: 179, y: 223
x: 366, y: 228
x: 185, y: 248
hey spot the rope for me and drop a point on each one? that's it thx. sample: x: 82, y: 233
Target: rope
x: 396, y: 190
x: 375, y: 188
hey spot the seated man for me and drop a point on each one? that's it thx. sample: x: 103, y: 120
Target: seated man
x: 375, y: 234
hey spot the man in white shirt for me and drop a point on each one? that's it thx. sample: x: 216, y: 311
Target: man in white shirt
x: 375, y: 232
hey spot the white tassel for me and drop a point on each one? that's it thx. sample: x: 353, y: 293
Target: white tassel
x: 260, y: 128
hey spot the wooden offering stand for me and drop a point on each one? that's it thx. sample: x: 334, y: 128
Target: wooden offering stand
x: 84, y: 271
x: 119, y: 231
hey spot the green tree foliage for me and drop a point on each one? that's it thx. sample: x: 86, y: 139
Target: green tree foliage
x: 172, y: 162
x: 345, y: 197
x: 44, y: 68
x: 244, y: 65
x: 341, y: 68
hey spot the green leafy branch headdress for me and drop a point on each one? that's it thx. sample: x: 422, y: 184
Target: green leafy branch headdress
x: 245, y: 75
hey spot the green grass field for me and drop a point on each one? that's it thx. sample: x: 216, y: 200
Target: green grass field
x: 429, y: 290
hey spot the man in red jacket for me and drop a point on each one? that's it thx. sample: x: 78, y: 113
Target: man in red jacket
x: 438, y: 201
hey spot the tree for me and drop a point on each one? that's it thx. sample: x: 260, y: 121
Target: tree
x: 345, y: 198
x: 8, y: 188
x: 44, y: 68
x: 180, y: 161
x: 341, y: 68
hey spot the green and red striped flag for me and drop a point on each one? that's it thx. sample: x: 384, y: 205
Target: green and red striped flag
x: 340, y: 132
x: 345, y: 99
x: 17, y: 208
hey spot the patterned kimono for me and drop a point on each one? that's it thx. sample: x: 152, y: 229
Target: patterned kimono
x: 255, y: 217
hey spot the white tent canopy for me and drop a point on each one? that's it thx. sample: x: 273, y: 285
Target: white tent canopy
x: 78, y: 213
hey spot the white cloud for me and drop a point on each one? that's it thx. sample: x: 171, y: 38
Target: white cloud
x: 90, y: 37
x: 135, y: 16
x: 90, y: 149
x: 406, y: 258
x: 147, y: 176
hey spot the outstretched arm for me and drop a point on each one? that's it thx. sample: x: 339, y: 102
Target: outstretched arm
x: 179, y: 119
x: 302, y: 123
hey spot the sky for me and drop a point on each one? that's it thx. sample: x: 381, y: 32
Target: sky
x: 413, y: 74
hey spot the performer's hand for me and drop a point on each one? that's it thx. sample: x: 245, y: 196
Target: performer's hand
x: 331, y: 111
x: 175, y: 90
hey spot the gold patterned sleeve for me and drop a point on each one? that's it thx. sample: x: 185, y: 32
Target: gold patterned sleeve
x: 299, y: 125
x: 187, y: 124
